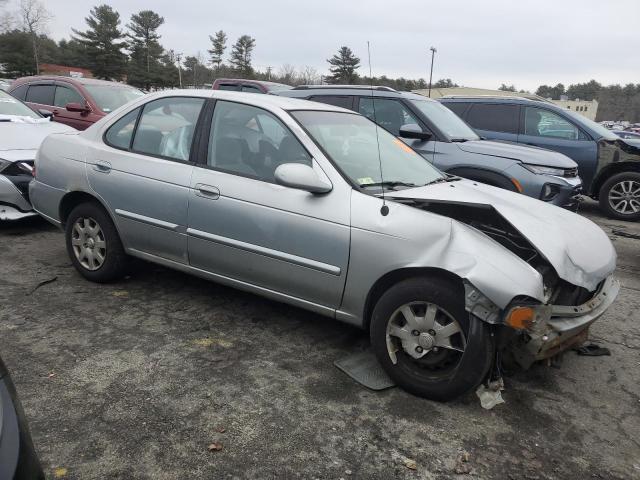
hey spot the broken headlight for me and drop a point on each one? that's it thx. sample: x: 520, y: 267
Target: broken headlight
x: 524, y: 317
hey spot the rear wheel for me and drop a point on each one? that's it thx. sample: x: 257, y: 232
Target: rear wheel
x: 620, y: 196
x: 427, y: 342
x: 93, y: 244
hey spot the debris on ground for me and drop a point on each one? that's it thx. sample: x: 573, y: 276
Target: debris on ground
x: 120, y: 293
x: 592, y: 350
x: 622, y: 233
x: 60, y: 472
x: 221, y: 429
x: 42, y: 283
x: 489, y: 394
x: 214, y: 447
x: 462, y: 463
x: 410, y: 464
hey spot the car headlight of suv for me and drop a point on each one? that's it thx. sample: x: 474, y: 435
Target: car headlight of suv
x: 542, y: 170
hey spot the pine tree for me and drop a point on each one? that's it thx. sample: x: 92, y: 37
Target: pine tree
x: 241, y: 55
x: 145, y: 66
x: 218, y: 46
x: 103, y: 43
x: 343, y: 67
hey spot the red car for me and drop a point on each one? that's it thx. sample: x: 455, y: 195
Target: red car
x: 244, y: 85
x: 77, y: 102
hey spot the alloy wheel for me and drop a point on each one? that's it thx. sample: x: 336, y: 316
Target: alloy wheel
x: 427, y: 333
x: 624, y: 197
x: 89, y: 244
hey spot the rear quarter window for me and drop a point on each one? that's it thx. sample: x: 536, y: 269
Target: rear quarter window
x: 21, y: 92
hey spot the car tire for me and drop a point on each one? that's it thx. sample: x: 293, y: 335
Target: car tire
x: 612, y: 196
x: 93, y: 244
x: 442, y: 373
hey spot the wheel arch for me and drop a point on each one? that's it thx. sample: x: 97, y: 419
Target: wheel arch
x: 391, y: 278
x: 483, y: 175
x: 610, y: 170
x: 71, y: 199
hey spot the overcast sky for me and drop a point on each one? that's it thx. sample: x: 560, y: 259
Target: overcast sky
x: 480, y: 43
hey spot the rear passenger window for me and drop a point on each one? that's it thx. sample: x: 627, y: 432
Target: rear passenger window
x: 229, y: 86
x: 338, y: 101
x: 42, y: 94
x: 494, y: 117
x: 120, y: 133
x: 166, y: 127
x: 251, y: 142
x: 457, y: 107
x: 20, y: 92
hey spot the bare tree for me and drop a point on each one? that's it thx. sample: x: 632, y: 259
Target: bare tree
x: 309, y: 75
x: 34, y: 17
x: 288, y: 74
x: 7, y: 19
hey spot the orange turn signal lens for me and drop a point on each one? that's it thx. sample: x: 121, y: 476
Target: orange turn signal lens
x: 517, y: 184
x: 521, y: 318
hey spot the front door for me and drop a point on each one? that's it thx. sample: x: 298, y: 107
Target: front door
x: 65, y: 94
x: 142, y: 172
x: 546, y: 129
x: 244, y: 226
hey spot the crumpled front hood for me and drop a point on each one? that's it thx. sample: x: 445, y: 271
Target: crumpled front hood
x: 529, y: 155
x: 27, y: 136
x: 577, y: 248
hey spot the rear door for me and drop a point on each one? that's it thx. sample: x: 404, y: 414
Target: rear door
x: 40, y: 96
x: 542, y: 127
x: 142, y: 171
x: 495, y: 121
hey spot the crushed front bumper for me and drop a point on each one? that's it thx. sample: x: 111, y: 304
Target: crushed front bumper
x: 14, y: 204
x: 566, y: 327
x: 568, y: 196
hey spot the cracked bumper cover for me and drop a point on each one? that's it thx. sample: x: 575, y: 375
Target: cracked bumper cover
x: 566, y: 326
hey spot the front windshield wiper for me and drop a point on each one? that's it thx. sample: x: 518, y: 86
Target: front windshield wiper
x: 448, y: 178
x: 390, y: 184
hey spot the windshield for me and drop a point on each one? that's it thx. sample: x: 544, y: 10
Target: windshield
x: 596, y: 127
x: 445, y: 120
x: 11, y: 106
x: 109, y: 97
x: 350, y: 141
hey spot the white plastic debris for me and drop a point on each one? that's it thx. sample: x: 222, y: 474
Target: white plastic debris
x: 490, y: 395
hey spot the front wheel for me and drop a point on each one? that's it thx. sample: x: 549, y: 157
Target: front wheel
x: 427, y: 342
x: 620, y: 196
x: 93, y: 244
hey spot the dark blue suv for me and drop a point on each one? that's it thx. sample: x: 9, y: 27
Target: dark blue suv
x: 608, y: 165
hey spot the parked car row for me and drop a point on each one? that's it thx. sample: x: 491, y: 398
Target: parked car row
x: 337, y: 216
x: 609, y: 165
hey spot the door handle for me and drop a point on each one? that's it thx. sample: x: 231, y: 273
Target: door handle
x: 102, y: 166
x: 207, y: 191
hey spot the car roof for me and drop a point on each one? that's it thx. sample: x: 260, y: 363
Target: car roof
x: 79, y: 80
x: 265, y: 101
x: 356, y: 90
x: 494, y: 99
x: 239, y: 81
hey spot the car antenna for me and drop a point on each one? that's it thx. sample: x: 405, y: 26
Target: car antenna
x: 384, y: 210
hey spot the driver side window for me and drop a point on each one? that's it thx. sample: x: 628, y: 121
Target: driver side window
x: 251, y: 142
x: 544, y: 123
x: 390, y: 114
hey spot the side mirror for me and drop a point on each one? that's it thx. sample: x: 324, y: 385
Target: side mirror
x: 411, y: 130
x: 45, y: 113
x: 76, y: 107
x: 302, y: 177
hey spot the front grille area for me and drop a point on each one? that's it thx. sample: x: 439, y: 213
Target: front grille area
x: 571, y: 172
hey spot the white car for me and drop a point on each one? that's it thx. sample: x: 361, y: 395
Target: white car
x: 21, y: 132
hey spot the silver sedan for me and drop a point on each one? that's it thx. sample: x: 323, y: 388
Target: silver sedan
x: 315, y: 206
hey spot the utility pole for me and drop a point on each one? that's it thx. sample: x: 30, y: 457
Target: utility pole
x: 178, y: 58
x: 433, y: 53
x: 268, y: 73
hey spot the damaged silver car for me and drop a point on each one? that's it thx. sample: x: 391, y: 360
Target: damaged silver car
x: 21, y: 132
x: 315, y: 206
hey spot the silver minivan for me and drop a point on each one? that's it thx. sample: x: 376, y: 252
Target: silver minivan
x: 318, y: 207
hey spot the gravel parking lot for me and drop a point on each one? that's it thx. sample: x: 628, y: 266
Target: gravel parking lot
x: 136, y: 379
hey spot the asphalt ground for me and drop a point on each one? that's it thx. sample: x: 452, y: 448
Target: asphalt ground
x: 140, y: 379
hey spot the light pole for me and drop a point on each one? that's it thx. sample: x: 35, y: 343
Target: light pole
x: 433, y: 53
x: 178, y: 59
